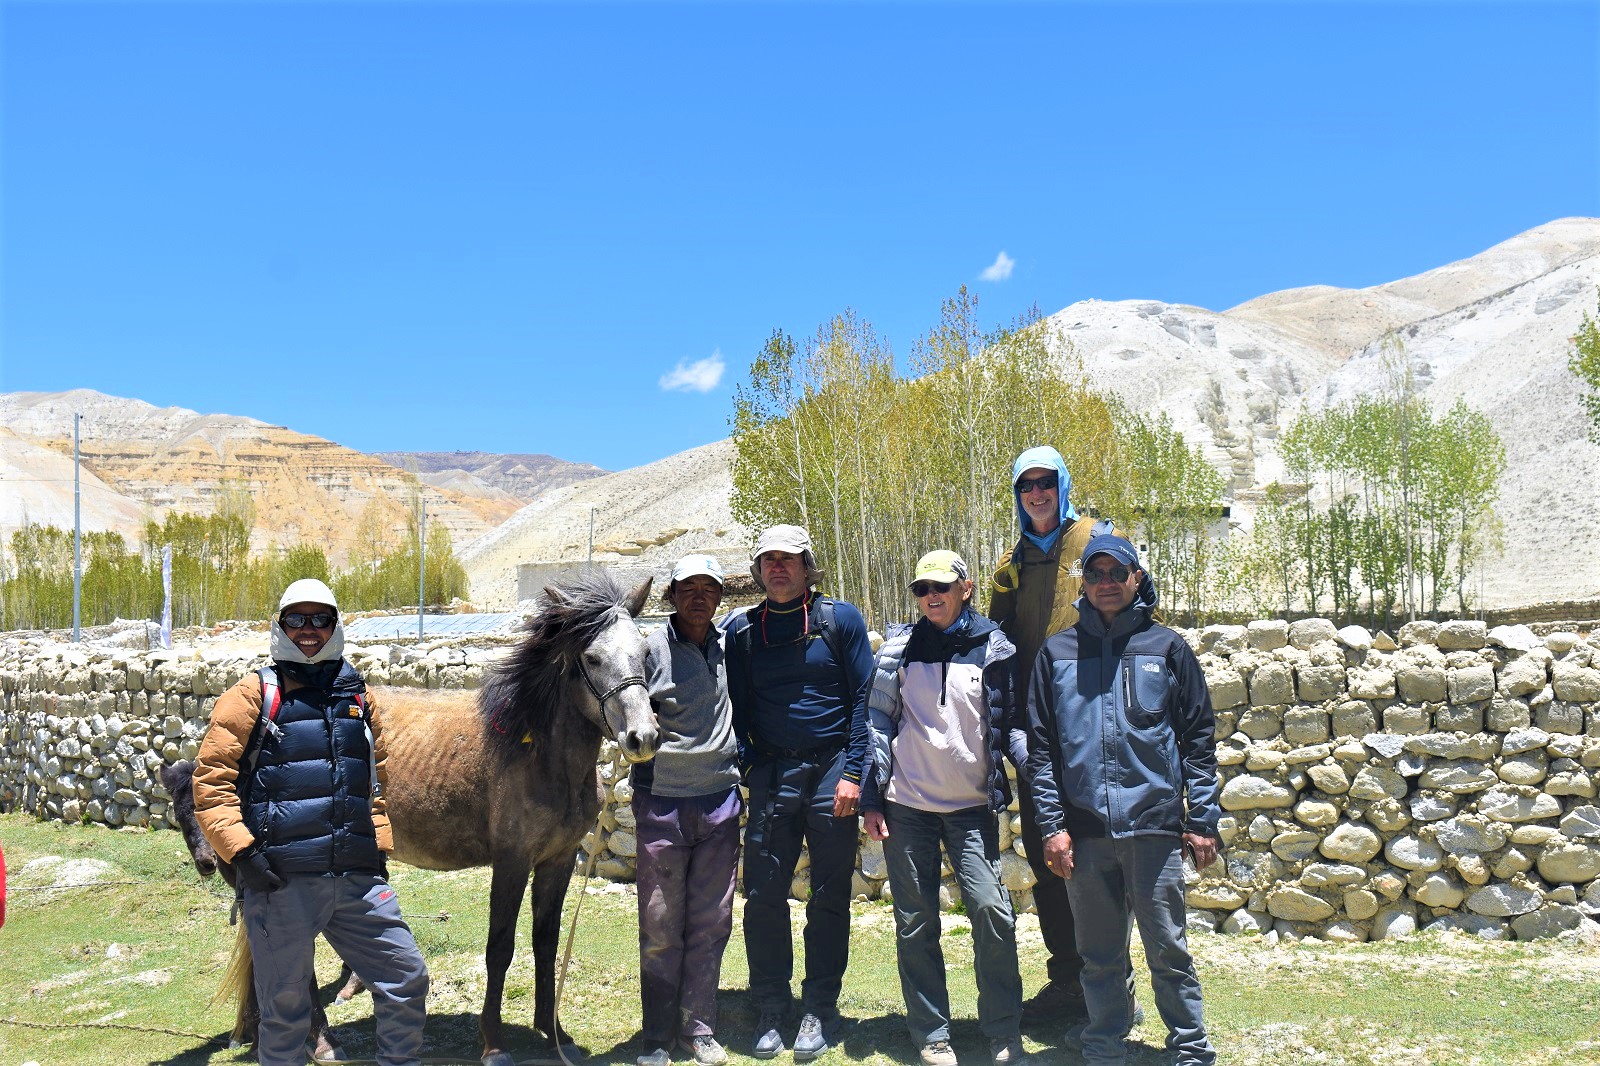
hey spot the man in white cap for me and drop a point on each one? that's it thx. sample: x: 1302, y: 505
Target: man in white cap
x: 686, y: 813
x: 301, y: 739
x: 799, y: 669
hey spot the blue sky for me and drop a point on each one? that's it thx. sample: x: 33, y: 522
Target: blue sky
x: 504, y: 226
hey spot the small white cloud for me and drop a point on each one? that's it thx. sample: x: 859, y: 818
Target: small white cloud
x: 702, y: 375
x: 1000, y: 269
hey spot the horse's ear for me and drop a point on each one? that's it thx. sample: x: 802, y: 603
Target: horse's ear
x: 636, y: 598
x: 555, y: 595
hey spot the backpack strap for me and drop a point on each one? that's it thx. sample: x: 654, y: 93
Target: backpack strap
x: 271, y: 692
x: 830, y: 637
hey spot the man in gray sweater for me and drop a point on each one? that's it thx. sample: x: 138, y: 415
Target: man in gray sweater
x: 686, y: 807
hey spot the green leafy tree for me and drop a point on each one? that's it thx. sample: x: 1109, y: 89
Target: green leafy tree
x: 1584, y: 362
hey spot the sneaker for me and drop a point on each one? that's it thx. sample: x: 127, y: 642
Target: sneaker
x: 938, y: 1053
x: 659, y: 1057
x: 769, y: 1041
x: 705, y: 1050
x: 814, y: 1036
x: 1135, y: 1017
x: 1007, y: 1052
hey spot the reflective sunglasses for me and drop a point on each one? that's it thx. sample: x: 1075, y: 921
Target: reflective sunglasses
x: 924, y: 588
x: 1116, y: 575
x: 297, y: 620
x: 1046, y: 483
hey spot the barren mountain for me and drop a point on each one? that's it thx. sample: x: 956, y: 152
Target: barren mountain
x: 1493, y: 329
x: 648, y: 515
x: 148, y: 461
x: 519, y: 477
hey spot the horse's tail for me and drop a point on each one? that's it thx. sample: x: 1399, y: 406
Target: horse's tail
x: 236, y: 982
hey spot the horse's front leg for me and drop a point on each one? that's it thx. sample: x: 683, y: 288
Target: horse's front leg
x: 509, y: 882
x: 550, y: 881
x: 325, y: 1047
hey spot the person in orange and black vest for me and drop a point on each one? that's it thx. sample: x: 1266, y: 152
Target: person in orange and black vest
x: 288, y: 788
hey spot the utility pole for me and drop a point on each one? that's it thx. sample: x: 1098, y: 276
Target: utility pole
x: 422, y: 559
x: 77, y: 531
x: 588, y: 566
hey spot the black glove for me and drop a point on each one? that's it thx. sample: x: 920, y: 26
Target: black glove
x: 255, y: 871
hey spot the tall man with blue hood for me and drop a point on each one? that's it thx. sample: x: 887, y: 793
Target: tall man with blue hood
x: 1122, y: 766
x: 1034, y: 594
x: 288, y: 789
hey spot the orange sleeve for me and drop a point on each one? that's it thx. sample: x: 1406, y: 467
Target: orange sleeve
x: 216, y: 771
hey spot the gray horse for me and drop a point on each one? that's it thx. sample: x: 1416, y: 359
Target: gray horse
x: 507, y: 779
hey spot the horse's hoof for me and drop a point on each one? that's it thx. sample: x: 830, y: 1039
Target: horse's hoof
x: 328, y: 1051
x: 499, y: 1058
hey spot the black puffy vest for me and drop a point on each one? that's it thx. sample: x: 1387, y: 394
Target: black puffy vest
x: 309, y: 795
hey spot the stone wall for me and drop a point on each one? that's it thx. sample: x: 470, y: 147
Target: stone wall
x: 1370, y: 788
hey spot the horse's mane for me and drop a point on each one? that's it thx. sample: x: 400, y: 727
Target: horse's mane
x: 523, y: 693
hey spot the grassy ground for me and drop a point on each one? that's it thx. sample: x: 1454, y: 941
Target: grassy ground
x: 120, y: 971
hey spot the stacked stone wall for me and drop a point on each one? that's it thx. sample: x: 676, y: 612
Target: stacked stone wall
x: 1370, y: 787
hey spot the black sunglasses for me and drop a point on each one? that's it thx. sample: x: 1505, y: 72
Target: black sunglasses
x: 299, y: 620
x: 1116, y: 575
x: 1047, y: 482
x: 922, y: 588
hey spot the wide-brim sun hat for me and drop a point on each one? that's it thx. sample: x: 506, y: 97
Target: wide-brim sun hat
x: 792, y: 539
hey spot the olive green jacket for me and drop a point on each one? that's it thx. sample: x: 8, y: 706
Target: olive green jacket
x: 1034, y: 593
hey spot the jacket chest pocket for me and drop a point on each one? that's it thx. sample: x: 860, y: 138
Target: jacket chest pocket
x: 1146, y: 684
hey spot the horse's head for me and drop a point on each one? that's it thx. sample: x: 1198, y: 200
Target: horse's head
x: 609, y: 682
x: 179, y: 780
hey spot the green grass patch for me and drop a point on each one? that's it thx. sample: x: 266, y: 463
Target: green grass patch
x: 120, y: 970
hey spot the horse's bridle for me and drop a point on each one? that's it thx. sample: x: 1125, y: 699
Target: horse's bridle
x: 601, y: 697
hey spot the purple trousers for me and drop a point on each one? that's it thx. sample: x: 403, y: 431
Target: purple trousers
x: 688, y: 854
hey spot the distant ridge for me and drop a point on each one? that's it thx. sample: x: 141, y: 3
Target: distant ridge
x: 1492, y: 329
x: 521, y: 476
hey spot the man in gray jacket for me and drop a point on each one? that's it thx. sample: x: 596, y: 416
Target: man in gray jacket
x: 686, y: 809
x: 1123, y: 770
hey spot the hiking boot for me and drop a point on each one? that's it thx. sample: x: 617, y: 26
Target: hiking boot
x: 814, y: 1036
x: 769, y: 1041
x: 705, y: 1050
x: 938, y: 1053
x: 1073, y: 1037
x: 1007, y: 1052
x: 1056, y: 1002
x: 1135, y: 1017
x: 659, y: 1057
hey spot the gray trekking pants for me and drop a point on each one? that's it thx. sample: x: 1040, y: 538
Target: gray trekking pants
x: 360, y: 917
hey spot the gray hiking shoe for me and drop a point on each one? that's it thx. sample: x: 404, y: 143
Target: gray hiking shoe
x: 938, y: 1053
x: 705, y: 1050
x: 814, y: 1037
x: 769, y: 1041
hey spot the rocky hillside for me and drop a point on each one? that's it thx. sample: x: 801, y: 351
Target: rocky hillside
x: 1493, y: 329
x: 142, y: 461
x: 488, y: 474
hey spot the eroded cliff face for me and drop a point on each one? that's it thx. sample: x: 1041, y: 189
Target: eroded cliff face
x: 303, y: 487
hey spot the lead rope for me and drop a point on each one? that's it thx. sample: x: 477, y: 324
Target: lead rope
x: 572, y: 933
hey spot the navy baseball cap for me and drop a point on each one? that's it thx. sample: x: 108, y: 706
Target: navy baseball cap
x: 1119, y: 548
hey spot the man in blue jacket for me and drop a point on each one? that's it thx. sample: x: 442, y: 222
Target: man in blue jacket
x: 799, y: 669
x: 1123, y: 771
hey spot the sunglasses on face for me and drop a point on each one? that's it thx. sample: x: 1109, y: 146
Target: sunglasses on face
x: 1116, y: 575
x: 298, y: 620
x: 1045, y: 483
x: 926, y: 588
